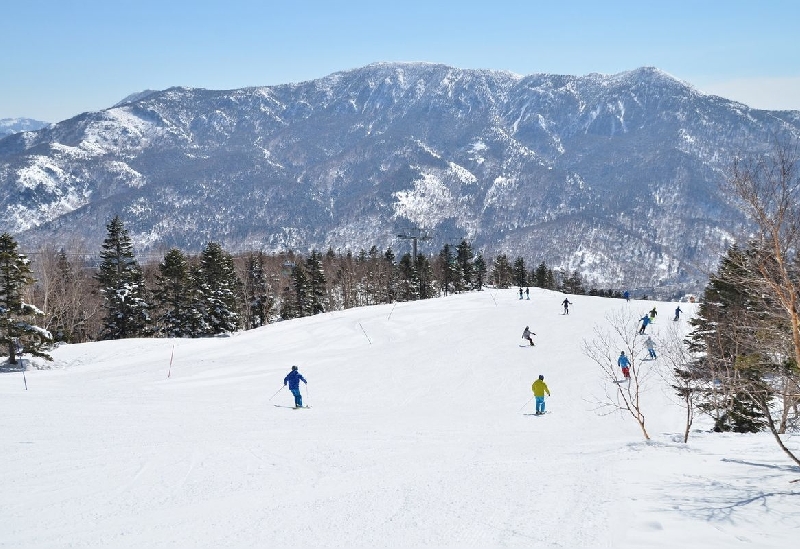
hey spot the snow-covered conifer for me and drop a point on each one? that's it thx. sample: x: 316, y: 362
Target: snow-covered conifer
x: 122, y: 285
x: 17, y: 334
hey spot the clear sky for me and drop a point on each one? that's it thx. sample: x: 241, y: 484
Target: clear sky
x: 59, y: 58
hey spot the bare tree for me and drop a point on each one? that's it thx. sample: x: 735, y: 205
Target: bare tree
x: 767, y: 188
x: 676, y: 368
x: 66, y: 292
x: 620, y: 334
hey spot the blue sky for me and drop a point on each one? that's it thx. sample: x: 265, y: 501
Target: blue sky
x: 59, y: 58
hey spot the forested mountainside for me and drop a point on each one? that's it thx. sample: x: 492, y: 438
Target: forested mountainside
x: 615, y: 176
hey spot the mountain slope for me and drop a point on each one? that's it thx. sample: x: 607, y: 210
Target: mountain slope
x: 416, y: 438
x: 615, y: 176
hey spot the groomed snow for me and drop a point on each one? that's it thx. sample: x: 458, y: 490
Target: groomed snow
x: 416, y: 438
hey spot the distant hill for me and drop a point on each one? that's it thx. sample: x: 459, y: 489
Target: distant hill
x: 613, y: 176
x: 15, y: 125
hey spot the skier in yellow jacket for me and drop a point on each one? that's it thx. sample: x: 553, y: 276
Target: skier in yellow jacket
x: 539, y: 388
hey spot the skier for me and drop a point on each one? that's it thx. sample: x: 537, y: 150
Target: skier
x: 625, y: 364
x: 566, y: 303
x: 645, y: 321
x: 651, y: 347
x: 520, y: 292
x: 677, y: 313
x: 627, y: 295
x: 528, y: 293
x: 526, y: 334
x: 653, y: 314
x: 539, y: 388
x: 294, y: 378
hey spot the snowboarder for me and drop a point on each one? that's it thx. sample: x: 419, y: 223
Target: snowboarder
x: 677, y: 314
x: 651, y: 347
x: 627, y: 295
x: 645, y: 322
x: 539, y: 388
x: 566, y: 303
x: 294, y: 378
x: 520, y: 292
x: 526, y: 334
x: 625, y: 364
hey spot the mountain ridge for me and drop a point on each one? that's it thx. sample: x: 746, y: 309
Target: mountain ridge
x: 613, y: 176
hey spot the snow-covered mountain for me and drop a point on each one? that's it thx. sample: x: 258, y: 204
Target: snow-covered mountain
x: 614, y: 176
x: 16, y: 125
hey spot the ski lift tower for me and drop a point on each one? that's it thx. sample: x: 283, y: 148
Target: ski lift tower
x: 413, y: 234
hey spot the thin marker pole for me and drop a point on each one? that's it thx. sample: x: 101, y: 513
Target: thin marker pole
x: 169, y: 373
x: 365, y: 333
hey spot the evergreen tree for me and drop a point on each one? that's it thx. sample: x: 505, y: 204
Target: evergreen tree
x: 573, y: 284
x: 424, y: 269
x: 464, y: 258
x: 390, y: 276
x: 218, y: 286
x: 519, y: 273
x: 502, y: 275
x: 303, y: 293
x: 724, y: 374
x: 540, y: 276
x: 408, y: 280
x: 257, y: 291
x: 316, y: 283
x: 551, y: 280
x: 448, y: 267
x: 173, y: 296
x: 122, y: 285
x: 480, y: 271
x: 17, y: 334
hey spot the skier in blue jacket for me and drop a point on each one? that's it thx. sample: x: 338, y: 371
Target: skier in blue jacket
x: 645, y: 320
x: 294, y: 378
x: 625, y: 364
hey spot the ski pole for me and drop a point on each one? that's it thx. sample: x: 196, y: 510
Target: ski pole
x: 308, y: 396
x: 276, y: 392
x: 529, y: 401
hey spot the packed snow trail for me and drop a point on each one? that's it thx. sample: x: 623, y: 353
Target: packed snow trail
x: 414, y: 438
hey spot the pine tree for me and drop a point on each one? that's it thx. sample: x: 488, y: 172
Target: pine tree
x: 317, y: 283
x: 218, y: 286
x: 724, y: 372
x: 303, y: 293
x: 257, y: 291
x: 448, y: 268
x: 479, y: 272
x: 173, y: 296
x: 390, y: 276
x: 424, y: 269
x: 502, y: 275
x: 519, y: 273
x: 122, y: 285
x: 408, y: 279
x: 464, y: 258
x: 17, y: 334
x: 573, y: 284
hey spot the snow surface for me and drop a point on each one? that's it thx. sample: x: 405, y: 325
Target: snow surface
x: 417, y: 437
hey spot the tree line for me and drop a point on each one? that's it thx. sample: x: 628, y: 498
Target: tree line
x: 215, y: 292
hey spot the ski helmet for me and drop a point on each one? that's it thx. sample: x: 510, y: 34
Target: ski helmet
x: 294, y: 367
x: 541, y: 377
